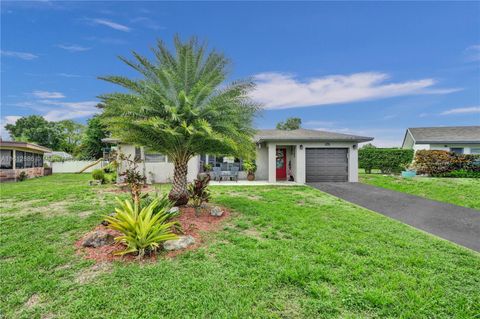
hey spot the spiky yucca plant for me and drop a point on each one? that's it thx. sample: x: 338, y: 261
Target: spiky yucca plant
x: 143, y: 229
x: 182, y: 107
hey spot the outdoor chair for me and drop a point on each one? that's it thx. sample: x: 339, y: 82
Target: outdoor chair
x: 216, y: 173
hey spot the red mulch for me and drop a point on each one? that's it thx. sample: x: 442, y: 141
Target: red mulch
x: 191, y: 224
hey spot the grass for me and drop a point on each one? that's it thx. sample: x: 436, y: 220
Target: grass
x: 457, y: 191
x: 288, y: 252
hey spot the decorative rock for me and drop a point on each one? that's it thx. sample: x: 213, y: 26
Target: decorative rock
x: 97, y: 239
x: 177, y: 244
x: 216, y: 211
x: 106, y: 223
x: 174, y: 210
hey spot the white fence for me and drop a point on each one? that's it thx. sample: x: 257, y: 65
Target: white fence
x: 73, y: 166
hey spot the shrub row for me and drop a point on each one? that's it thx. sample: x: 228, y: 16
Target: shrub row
x: 387, y: 160
x: 443, y: 163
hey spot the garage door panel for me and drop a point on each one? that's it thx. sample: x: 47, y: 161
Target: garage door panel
x: 326, y: 165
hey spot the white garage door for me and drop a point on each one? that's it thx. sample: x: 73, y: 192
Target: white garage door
x: 326, y: 164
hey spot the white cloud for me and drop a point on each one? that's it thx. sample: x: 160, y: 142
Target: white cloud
x: 9, y: 119
x: 69, y: 110
x: 111, y: 24
x: 473, y: 52
x: 73, y: 47
x: 462, y: 110
x: 20, y: 55
x: 48, y: 95
x: 147, y: 23
x: 281, y: 91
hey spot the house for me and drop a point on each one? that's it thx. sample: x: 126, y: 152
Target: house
x: 18, y: 157
x: 298, y: 155
x: 458, y: 139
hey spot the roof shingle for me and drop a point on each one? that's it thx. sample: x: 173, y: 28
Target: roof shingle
x: 310, y: 135
x: 447, y: 134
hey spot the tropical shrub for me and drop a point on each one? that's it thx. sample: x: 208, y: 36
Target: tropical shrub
x: 439, y: 163
x: 250, y: 167
x: 387, y: 160
x: 460, y: 173
x: 143, y: 230
x: 133, y: 177
x: 198, y: 192
x: 98, y: 175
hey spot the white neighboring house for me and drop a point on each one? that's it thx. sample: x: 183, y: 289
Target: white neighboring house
x: 301, y: 155
x: 458, y: 139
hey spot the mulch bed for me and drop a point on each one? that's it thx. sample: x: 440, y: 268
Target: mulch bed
x: 191, y: 225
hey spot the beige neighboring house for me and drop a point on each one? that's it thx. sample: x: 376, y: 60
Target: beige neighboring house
x: 18, y: 157
x: 458, y: 139
x: 303, y: 156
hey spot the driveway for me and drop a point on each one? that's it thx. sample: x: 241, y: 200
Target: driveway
x: 458, y: 224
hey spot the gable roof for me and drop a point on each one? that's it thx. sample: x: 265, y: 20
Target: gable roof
x: 24, y: 145
x: 446, y: 134
x: 307, y: 135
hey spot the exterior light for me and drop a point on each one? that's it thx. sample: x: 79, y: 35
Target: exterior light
x: 327, y: 144
x: 301, y: 146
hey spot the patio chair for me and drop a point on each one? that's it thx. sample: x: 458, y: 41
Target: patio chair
x: 216, y: 173
x: 234, y: 173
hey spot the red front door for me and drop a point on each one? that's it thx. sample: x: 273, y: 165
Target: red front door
x: 281, y: 163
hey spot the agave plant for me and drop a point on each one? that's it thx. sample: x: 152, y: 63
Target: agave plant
x: 143, y: 229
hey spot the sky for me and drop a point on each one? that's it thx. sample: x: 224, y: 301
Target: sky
x: 367, y: 68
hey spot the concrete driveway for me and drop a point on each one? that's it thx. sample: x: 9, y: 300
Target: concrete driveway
x: 455, y: 223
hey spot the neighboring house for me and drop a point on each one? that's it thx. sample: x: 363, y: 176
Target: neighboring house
x: 18, y: 157
x: 301, y: 155
x: 458, y: 139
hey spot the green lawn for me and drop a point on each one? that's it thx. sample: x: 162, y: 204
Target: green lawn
x: 458, y: 191
x: 287, y: 252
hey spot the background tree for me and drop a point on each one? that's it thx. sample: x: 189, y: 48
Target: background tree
x: 73, y: 134
x: 182, y: 107
x: 92, y: 145
x: 292, y: 123
x: 36, y: 129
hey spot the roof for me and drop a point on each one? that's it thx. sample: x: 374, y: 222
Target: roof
x: 446, y: 134
x: 30, y: 146
x: 110, y: 140
x: 307, y: 135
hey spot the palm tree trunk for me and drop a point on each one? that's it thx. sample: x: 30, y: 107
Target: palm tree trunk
x: 179, y: 193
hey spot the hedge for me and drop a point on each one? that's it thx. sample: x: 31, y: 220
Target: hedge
x: 443, y: 163
x: 387, y: 160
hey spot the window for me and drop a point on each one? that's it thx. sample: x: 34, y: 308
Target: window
x: 29, y: 158
x: 154, y: 157
x: 38, y: 160
x: 138, y: 154
x: 19, y: 159
x: 6, y: 159
x: 456, y: 150
x: 475, y: 150
x: 225, y: 162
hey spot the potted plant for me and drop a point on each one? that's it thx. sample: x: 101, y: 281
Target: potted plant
x: 409, y: 171
x: 251, y: 168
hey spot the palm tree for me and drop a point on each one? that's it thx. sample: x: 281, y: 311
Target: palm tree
x: 182, y: 107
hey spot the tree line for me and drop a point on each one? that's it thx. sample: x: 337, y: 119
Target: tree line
x: 81, y: 141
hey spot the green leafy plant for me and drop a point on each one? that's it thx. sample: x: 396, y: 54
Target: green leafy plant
x: 22, y: 176
x: 199, y: 192
x: 133, y: 177
x: 440, y: 163
x: 180, y: 104
x: 387, y: 160
x: 98, y: 175
x: 207, y: 167
x: 144, y: 228
x: 250, y: 167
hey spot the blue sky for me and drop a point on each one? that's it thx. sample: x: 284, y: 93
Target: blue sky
x: 366, y: 68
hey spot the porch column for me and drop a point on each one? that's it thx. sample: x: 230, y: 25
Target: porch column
x: 272, y: 172
x: 300, y: 178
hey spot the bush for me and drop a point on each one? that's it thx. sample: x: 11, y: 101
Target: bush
x: 22, y: 176
x: 142, y: 229
x: 250, y: 167
x: 461, y: 173
x: 198, y: 192
x: 441, y: 163
x: 99, y: 175
x: 387, y: 160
